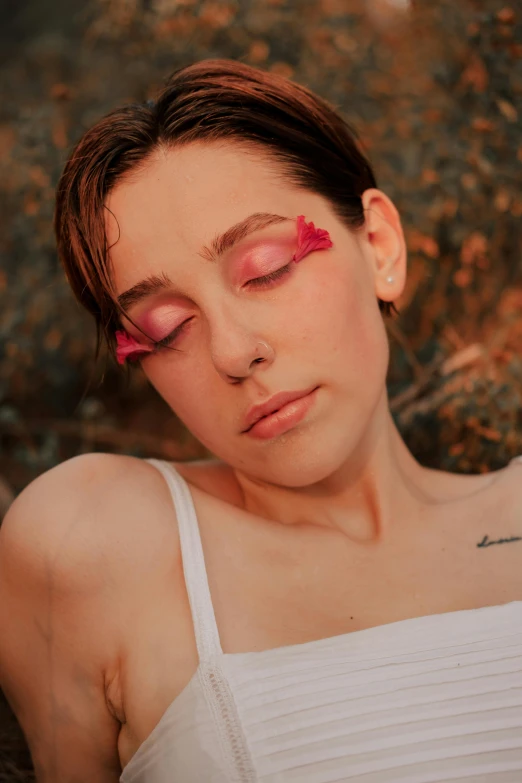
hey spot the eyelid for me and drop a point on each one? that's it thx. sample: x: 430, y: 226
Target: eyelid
x: 258, y: 282
x: 277, y: 274
x: 161, y: 320
x: 259, y: 256
x: 170, y: 339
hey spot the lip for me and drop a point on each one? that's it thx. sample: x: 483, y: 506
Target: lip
x: 274, y: 403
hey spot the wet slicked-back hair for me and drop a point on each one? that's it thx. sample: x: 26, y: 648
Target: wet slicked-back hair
x: 212, y: 100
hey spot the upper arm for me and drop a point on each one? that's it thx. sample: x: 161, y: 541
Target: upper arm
x: 52, y: 649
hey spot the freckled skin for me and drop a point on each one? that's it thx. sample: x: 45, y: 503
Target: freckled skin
x: 91, y: 584
x: 159, y: 322
x: 345, y: 466
x: 322, y: 322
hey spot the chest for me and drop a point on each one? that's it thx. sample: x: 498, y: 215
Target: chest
x: 445, y: 684
x: 272, y: 588
x: 422, y: 699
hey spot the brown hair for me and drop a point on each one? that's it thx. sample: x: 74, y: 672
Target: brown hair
x: 210, y: 100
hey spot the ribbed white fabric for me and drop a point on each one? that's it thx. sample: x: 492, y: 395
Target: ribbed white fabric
x: 424, y: 700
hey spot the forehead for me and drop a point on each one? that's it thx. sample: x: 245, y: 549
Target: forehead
x: 183, y: 197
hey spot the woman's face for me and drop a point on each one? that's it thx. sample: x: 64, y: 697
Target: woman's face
x: 320, y: 319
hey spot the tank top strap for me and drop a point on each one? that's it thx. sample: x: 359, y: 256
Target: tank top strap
x: 194, y: 570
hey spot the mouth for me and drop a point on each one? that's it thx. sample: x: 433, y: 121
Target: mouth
x: 279, y: 413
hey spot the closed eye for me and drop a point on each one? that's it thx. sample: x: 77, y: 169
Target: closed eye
x: 259, y: 282
x: 169, y: 340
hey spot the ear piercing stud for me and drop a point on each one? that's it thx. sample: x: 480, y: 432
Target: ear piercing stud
x: 389, y: 279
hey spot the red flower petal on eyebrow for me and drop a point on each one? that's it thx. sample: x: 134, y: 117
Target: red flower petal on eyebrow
x: 310, y: 238
x: 128, y: 347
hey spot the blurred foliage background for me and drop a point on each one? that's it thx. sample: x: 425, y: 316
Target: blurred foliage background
x: 435, y: 92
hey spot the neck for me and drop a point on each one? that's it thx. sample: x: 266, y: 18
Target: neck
x: 379, y: 486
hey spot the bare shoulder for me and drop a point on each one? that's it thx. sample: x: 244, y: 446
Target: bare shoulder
x: 78, y: 511
x: 78, y: 544
x: 76, y: 549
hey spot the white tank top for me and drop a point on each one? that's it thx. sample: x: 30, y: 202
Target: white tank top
x: 423, y: 700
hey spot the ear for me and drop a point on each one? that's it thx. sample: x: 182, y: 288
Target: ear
x: 383, y: 235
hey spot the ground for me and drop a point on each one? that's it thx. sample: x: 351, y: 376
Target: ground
x: 435, y: 92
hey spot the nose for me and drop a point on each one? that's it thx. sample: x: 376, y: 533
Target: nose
x: 236, y: 349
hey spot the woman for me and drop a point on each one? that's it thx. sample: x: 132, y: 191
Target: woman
x: 312, y: 605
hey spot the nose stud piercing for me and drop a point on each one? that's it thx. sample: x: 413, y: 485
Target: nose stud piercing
x: 263, y: 351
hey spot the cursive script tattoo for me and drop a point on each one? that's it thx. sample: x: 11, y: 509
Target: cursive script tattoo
x: 486, y: 542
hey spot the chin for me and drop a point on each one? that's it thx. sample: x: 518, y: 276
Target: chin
x: 297, y: 463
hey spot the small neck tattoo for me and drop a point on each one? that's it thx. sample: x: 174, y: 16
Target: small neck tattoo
x: 486, y: 542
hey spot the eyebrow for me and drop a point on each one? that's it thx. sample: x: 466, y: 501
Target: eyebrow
x: 219, y: 245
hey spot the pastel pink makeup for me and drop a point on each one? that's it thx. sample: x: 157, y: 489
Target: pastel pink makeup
x: 128, y: 347
x: 261, y: 258
x: 310, y: 238
x: 161, y: 320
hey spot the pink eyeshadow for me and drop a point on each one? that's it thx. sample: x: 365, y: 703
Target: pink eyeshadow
x: 266, y: 256
x: 159, y: 322
x: 262, y: 258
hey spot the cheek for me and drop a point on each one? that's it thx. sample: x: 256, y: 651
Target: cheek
x: 187, y: 395
x: 326, y: 306
x: 343, y: 325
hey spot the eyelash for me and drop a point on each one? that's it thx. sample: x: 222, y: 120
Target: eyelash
x: 258, y: 282
x: 167, y: 342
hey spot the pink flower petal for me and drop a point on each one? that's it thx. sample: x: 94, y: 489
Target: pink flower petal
x: 310, y: 238
x: 128, y: 347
